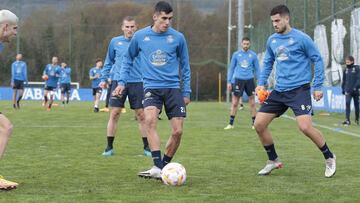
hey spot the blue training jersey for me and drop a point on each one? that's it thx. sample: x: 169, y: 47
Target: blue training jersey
x: 53, y: 73
x: 19, y: 71
x: 115, y: 54
x: 161, y: 56
x: 243, y: 66
x: 294, y: 54
x: 65, y: 75
x: 95, y: 72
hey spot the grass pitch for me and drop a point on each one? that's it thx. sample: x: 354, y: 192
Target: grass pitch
x: 56, y: 157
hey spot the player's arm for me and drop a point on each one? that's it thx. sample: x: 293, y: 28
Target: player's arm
x: 12, y: 74
x: 92, y: 75
x: 343, y: 82
x: 358, y: 78
x: 25, y: 74
x: 319, y: 74
x: 126, y: 64
x: 268, y: 66
x: 231, y: 70
x: 109, y: 62
x: 183, y: 55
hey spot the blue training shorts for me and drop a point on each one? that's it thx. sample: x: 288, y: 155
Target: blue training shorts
x: 134, y: 91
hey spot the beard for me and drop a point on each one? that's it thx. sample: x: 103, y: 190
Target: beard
x: 281, y: 30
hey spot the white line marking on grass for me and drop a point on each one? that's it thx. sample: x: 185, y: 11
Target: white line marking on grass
x: 59, y: 126
x: 338, y: 130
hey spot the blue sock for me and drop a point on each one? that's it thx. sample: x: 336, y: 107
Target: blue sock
x: 156, y: 155
x: 232, y: 118
x: 270, y: 150
x: 326, y: 151
x: 166, y: 159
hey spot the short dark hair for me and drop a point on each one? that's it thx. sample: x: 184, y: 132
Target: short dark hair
x: 246, y: 39
x: 128, y: 18
x: 98, y: 60
x: 163, y: 6
x: 350, y: 58
x: 282, y: 10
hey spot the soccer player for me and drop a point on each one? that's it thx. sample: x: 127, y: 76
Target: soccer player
x: 8, y: 29
x: 244, y: 64
x: 95, y: 77
x: 350, y: 88
x: 18, y: 77
x: 162, y: 51
x: 65, y: 82
x: 294, y: 53
x: 134, y: 87
x: 52, y: 73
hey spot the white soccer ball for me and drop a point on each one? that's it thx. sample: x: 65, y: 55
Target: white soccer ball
x: 173, y: 174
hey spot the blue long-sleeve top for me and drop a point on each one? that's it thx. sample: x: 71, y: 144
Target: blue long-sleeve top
x: 115, y: 54
x: 243, y: 66
x: 53, y: 73
x: 19, y: 71
x: 294, y: 54
x: 161, y: 56
x: 65, y: 75
x: 96, y: 81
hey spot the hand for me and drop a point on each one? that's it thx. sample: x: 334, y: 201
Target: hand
x: 260, y: 87
x: 102, y: 85
x: 187, y: 100
x: 229, y: 87
x: 118, y: 91
x: 318, y: 95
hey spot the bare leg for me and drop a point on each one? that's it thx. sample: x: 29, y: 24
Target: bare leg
x: 5, y: 132
x: 305, y: 125
x: 175, y: 138
x: 261, y: 124
x: 14, y: 97
x: 234, y: 105
x: 113, y: 120
x: 252, y: 105
x: 151, y: 114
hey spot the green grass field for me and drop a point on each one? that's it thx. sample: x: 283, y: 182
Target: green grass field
x: 56, y: 157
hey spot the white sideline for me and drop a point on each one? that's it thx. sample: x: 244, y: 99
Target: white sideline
x: 338, y: 130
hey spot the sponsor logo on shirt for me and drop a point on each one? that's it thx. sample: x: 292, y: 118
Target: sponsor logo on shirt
x: 120, y: 43
x: 282, y: 53
x: 273, y: 41
x: 158, y: 58
x: 291, y: 41
x: 244, y: 64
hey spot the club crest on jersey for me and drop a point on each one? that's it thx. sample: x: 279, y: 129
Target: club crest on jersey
x: 158, y: 58
x: 273, y: 41
x: 120, y: 43
x: 148, y: 94
x: 146, y: 38
x: 291, y: 41
x: 169, y: 39
x: 282, y: 53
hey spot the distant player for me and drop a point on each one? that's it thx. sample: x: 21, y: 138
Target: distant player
x: 351, y: 88
x: 95, y: 77
x: 162, y: 52
x: 294, y: 53
x: 8, y: 29
x: 244, y: 64
x: 52, y: 73
x: 18, y: 78
x: 65, y: 82
x: 134, y: 87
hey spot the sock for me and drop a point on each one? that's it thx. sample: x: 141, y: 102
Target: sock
x: 253, y: 119
x: 67, y: 101
x: 50, y: 106
x: 18, y: 100
x: 146, y: 143
x: 156, y: 155
x: 242, y: 105
x: 270, y: 150
x: 46, y: 99
x: 166, y: 159
x: 67, y: 98
x: 326, y: 151
x: 63, y: 102
x: 232, y: 118
x: 110, y: 141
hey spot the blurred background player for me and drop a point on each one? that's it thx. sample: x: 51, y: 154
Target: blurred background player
x: 162, y: 51
x: 350, y: 88
x: 244, y: 64
x: 95, y: 77
x: 8, y: 29
x: 294, y: 53
x: 134, y: 87
x: 18, y: 78
x: 52, y: 73
x: 65, y: 82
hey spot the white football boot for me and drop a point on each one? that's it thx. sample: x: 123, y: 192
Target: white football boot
x: 229, y: 127
x: 154, y: 173
x: 270, y: 165
x: 330, y: 167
